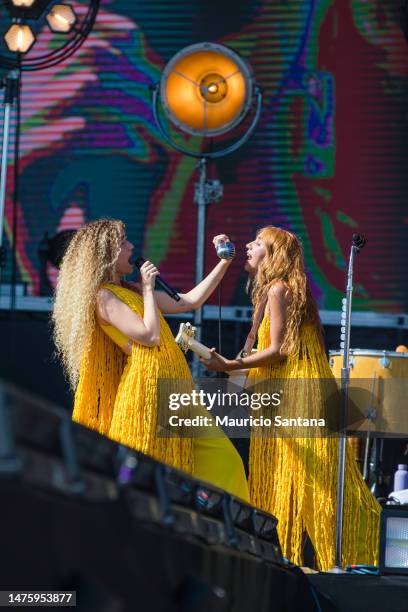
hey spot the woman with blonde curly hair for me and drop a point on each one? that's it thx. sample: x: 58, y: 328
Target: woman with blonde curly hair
x: 115, y: 346
x: 295, y: 478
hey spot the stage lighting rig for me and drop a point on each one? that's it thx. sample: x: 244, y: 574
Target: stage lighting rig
x: 19, y: 38
x: 26, y: 9
x: 38, y: 16
x: 23, y: 23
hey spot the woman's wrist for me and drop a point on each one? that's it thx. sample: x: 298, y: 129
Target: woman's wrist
x: 147, y: 289
x: 232, y: 364
x: 225, y: 263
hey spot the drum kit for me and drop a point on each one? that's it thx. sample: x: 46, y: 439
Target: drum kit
x: 383, y: 375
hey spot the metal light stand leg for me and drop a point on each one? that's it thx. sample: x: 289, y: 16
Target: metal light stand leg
x: 10, y: 462
x: 200, y: 200
x: 11, y: 89
x: 345, y: 379
x: 371, y: 415
x: 206, y: 192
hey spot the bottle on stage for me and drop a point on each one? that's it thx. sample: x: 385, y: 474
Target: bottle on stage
x: 401, y: 478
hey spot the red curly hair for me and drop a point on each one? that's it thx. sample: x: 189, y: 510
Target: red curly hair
x: 284, y: 262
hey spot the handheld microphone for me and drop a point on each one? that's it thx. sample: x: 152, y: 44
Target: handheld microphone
x: 160, y: 282
x: 225, y: 249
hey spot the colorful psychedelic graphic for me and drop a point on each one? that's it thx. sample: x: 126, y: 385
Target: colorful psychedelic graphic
x: 327, y: 159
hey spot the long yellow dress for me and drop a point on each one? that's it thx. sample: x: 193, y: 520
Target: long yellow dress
x: 117, y: 396
x: 295, y: 479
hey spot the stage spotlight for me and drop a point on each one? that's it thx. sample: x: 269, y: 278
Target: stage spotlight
x: 61, y: 18
x: 19, y: 38
x: 206, y: 89
x: 26, y: 9
x: 22, y: 3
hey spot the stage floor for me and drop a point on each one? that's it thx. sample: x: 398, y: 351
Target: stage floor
x: 357, y: 593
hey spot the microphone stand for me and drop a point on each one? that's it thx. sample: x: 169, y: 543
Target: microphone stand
x: 358, y: 243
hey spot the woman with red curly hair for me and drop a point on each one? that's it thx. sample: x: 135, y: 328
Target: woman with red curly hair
x: 295, y: 478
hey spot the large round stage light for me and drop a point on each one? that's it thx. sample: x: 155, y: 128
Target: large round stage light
x: 206, y: 89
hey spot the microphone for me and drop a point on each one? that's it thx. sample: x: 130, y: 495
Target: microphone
x: 225, y: 250
x: 359, y: 241
x: 160, y: 282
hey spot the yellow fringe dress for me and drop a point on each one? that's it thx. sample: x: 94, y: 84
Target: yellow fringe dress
x: 117, y: 396
x: 295, y: 479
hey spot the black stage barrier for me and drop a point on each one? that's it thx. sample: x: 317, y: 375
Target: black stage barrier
x: 116, y: 563
x: 80, y: 512
x: 355, y: 593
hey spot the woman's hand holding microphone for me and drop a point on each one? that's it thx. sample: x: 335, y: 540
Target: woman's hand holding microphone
x: 148, y: 273
x: 224, y: 247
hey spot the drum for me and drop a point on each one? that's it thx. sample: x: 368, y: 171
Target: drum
x: 384, y: 377
x: 364, y: 363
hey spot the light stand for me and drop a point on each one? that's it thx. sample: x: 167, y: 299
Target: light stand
x: 206, y: 192
x: 371, y: 415
x: 11, y: 85
x: 21, y: 56
x: 195, y: 75
x: 358, y: 243
x: 10, y: 461
x: 15, y: 63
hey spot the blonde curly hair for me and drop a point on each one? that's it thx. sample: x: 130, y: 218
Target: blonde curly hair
x: 89, y: 261
x: 284, y: 262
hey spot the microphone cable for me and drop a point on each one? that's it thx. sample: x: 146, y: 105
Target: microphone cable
x: 219, y: 325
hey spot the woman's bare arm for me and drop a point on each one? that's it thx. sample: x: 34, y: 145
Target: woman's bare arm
x: 278, y: 301
x: 113, y: 311
x: 198, y: 295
